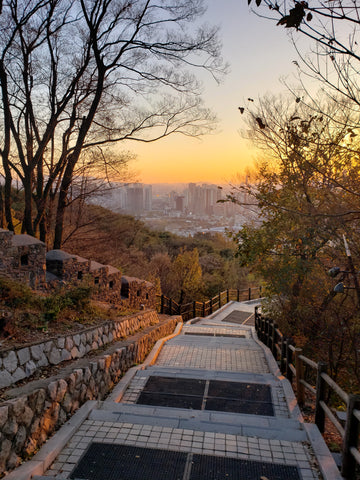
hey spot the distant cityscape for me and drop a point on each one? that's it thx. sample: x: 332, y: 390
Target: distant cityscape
x: 183, y: 209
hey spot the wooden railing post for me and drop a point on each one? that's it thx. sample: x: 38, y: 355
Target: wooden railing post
x: 273, y: 340
x: 211, y: 306
x: 283, y: 355
x: 203, y: 309
x: 300, y: 391
x: 289, y: 373
x: 227, y: 296
x: 162, y: 304
x: 219, y: 299
x: 348, y: 465
x: 194, y: 309
x: 320, y: 397
x: 238, y: 295
x: 249, y: 293
x: 170, y: 306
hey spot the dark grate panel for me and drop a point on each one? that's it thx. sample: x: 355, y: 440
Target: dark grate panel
x: 200, y: 334
x: 175, y: 385
x: 104, y: 461
x: 245, y: 391
x: 239, y: 406
x: 237, y: 317
x: 222, y: 468
x: 170, y: 400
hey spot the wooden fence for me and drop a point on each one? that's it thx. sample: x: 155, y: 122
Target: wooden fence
x: 306, y: 373
x: 202, y: 309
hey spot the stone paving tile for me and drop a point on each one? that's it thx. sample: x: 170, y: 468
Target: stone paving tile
x: 225, y: 359
x: 217, y: 330
x: 210, y: 443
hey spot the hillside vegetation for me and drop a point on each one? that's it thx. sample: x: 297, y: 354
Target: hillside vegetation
x: 184, y: 268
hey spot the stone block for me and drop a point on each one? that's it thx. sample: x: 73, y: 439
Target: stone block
x: 61, y: 342
x: 61, y: 390
x: 69, y: 343
x: 82, y: 350
x: 26, y: 416
x: 37, y: 351
x: 4, y: 413
x: 5, y: 379
x: 48, y: 346
x: 11, y: 427
x: 10, y: 362
x: 77, y: 340
x: 42, y: 362
x: 54, y: 356
x: 19, y: 374
x: 65, y: 355
x: 52, y: 389
x: 20, y: 439
x: 23, y: 355
x: 30, y: 368
x: 75, y: 352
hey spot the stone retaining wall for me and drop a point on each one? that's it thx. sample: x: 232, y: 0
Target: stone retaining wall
x: 19, y: 363
x: 29, y: 419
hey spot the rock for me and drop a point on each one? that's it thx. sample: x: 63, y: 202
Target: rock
x: 20, y: 439
x: 37, y: 352
x: 61, y: 390
x: 65, y: 355
x: 75, y: 352
x: 30, y: 368
x: 10, y: 428
x: 54, y: 356
x: 52, y: 389
x: 4, y: 412
x: 5, y: 379
x: 23, y: 355
x: 5, y: 449
x: 10, y: 362
x: 19, y: 374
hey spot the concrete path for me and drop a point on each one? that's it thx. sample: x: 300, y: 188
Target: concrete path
x: 257, y: 434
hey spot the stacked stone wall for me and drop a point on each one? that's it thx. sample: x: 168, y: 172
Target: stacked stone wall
x: 28, y: 420
x: 22, y: 362
x: 22, y: 258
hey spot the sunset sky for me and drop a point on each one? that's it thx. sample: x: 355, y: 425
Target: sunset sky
x: 259, y: 54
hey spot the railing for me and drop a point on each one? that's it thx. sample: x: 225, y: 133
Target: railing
x: 202, y: 309
x: 302, y: 371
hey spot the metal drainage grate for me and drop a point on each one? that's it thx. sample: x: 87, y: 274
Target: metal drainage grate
x: 175, y: 385
x: 222, y: 468
x: 173, y: 392
x: 237, y: 317
x: 244, y: 391
x: 235, y: 397
x: 170, y: 400
x: 200, y: 334
x: 239, y: 406
x: 104, y: 461
x: 232, y: 397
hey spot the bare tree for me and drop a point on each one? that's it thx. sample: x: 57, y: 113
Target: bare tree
x: 333, y: 30
x: 76, y: 75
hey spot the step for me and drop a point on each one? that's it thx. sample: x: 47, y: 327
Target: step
x: 209, y: 421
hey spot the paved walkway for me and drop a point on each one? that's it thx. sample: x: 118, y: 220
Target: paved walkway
x: 180, y: 406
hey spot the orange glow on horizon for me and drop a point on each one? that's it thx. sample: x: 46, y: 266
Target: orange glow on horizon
x: 214, y: 159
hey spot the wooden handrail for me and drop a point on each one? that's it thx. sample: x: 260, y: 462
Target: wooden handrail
x: 284, y: 350
x: 202, y: 309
